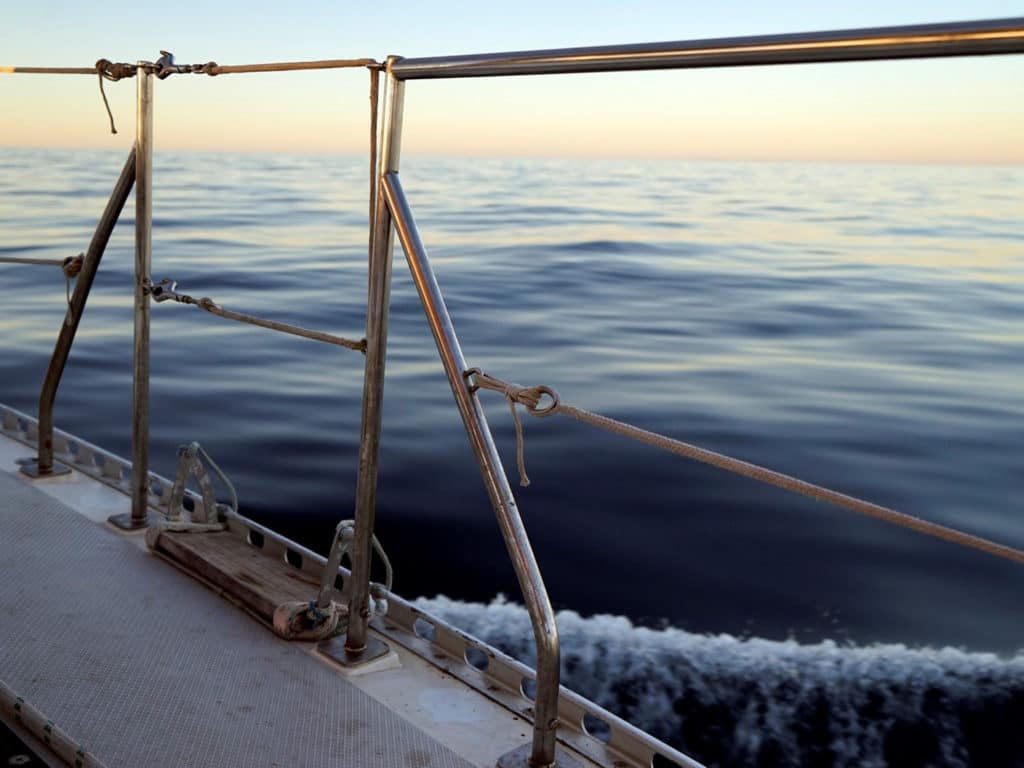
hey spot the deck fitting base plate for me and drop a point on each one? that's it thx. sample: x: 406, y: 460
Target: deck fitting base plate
x: 125, y: 522
x: 30, y: 467
x: 334, y: 649
x: 520, y: 758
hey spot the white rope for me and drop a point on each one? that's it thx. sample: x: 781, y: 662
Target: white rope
x: 531, y: 398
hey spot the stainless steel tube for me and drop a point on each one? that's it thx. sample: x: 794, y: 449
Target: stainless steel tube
x: 143, y: 268
x: 83, y: 284
x: 378, y: 299
x: 967, y: 38
x: 520, y: 552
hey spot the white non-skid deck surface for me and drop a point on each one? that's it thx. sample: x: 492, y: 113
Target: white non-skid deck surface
x: 145, y: 667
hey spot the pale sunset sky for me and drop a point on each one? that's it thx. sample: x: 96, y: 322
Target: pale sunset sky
x: 967, y: 110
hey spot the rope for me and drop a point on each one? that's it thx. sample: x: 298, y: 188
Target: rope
x: 108, y: 70
x: 291, y: 66
x: 215, y: 309
x: 48, y: 70
x: 232, y: 494
x: 317, y: 619
x: 209, y: 68
x: 344, y: 536
x: 166, y: 290
x: 70, y: 266
x: 531, y: 398
x: 39, y: 262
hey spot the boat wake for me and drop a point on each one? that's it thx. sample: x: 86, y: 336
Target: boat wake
x: 730, y: 701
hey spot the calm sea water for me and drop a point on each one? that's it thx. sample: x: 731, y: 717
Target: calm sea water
x: 857, y: 326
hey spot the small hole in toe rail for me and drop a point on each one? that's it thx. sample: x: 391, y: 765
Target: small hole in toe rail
x: 529, y: 688
x: 424, y: 629
x: 189, y: 504
x: 256, y: 539
x: 339, y: 582
x: 293, y: 558
x: 477, y: 658
x: 597, y: 727
x: 660, y: 761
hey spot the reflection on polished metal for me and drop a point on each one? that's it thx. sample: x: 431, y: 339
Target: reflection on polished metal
x: 44, y: 466
x: 378, y: 299
x: 968, y: 38
x: 143, y: 259
x: 520, y: 552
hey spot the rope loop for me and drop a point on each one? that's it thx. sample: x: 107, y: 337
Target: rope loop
x: 528, y: 397
x: 536, y: 395
x: 72, y: 265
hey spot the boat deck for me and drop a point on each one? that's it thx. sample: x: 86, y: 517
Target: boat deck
x: 144, y: 666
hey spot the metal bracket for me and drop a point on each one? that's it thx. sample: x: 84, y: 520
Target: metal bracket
x: 165, y: 290
x: 165, y: 66
x: 30, y: 466
x: 334, y: 649
x: 125, y: 522
x: 520, y: 758
x: 189, y: 463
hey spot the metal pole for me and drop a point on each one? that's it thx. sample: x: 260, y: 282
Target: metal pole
x: 48, y: 394
x: 143, y: 259
x: 373, y: 381
x: 963, y: 38
x: 520, y: 552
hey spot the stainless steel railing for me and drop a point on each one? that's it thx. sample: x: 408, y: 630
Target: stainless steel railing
x: 965, y: 38
x: 531, y: 583
x: 44, y: 466
x: 393, y: 213
x: 958, y: 39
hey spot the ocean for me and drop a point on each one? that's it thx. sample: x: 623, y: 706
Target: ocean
x: 859, y: 326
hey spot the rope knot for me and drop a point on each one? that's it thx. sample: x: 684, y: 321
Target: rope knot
x: 529, y: 397
x: 108, y: 70
x: 72, y: 265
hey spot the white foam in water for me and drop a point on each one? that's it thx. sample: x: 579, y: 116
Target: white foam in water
x: 754, y: 702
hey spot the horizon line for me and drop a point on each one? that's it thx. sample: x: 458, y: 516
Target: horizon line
x: 513, y: 155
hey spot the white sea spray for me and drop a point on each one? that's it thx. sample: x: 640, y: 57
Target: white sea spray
x: 752, y: 701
